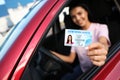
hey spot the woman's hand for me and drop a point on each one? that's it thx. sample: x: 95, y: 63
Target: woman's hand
x: 97, y: 52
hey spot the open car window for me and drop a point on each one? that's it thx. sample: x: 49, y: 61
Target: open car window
x: 50, y: 67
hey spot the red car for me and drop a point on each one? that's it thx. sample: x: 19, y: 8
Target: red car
x: 24, y: 54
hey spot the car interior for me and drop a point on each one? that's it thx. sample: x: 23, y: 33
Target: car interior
x: 46, y: 66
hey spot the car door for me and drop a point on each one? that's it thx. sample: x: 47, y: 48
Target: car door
x: 19, y: 52
x: 38, y: 24
x: 54, y: 7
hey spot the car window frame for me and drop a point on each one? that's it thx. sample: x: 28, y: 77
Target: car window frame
x: 117, y: 5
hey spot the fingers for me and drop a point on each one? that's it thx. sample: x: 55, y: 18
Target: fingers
x: 98, y: 63
x: 97, y: 54
x: 98, y: 58
x: 95, y: 46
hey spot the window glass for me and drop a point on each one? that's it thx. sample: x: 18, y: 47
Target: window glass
x: 12, y: 12
x: 14, y: 19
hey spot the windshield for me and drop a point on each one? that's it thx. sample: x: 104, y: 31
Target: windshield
x: 14, y: 18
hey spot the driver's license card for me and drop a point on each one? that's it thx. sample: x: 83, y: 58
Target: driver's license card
x: 77, y: 37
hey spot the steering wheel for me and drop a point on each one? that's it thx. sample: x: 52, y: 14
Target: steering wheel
x: 56, y: 59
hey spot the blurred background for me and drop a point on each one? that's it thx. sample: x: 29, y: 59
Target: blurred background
x: 11, y: 12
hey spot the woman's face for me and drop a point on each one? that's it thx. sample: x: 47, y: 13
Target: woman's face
x: 70, y: 38
x: 79, y: 16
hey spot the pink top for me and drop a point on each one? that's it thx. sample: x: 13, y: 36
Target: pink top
x: 97, y: 31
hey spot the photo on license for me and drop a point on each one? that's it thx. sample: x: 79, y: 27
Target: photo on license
x: 77, y: 37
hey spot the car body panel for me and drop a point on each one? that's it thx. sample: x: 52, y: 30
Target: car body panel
x: 37, y: 35
x: 111, y: 70
x: 18, y: 56
x: 19, y: 46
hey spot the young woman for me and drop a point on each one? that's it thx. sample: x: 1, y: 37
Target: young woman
x: 95, y: 54
x: 69, y: 39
